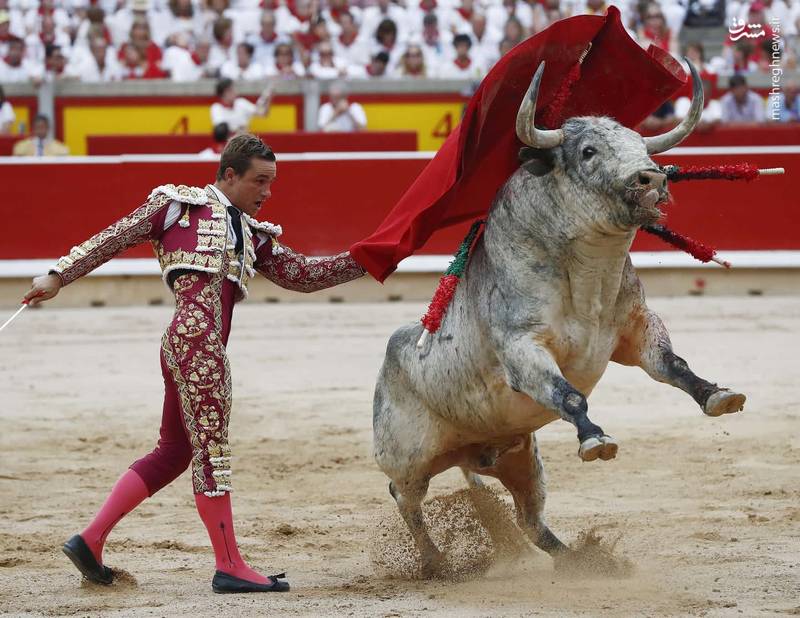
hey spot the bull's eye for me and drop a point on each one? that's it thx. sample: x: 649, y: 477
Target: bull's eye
x: 589, y: 152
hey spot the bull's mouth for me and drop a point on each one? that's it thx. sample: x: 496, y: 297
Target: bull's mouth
x: 644, y: 204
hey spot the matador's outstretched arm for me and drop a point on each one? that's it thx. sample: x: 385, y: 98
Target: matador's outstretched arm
x: 295, y: 271
x: 144, y: 223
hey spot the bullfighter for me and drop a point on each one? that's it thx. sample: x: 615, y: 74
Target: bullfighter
x: 209, y: 246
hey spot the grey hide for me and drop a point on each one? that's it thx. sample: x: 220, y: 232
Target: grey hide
x: 548, y: 299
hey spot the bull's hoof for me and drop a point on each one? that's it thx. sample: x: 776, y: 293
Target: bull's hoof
x: 724, y: 402
x: 603, y: 447
x: 432, y: 566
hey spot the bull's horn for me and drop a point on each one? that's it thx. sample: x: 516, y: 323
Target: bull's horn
x: 670, y: 139
x: 526, y: 131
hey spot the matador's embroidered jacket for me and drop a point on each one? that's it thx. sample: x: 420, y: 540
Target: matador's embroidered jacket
x: 190, y: 233
x: 199, y: 241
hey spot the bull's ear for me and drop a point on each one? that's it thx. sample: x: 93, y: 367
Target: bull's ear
x: 536, y: 160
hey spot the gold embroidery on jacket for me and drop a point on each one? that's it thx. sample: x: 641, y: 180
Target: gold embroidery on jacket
x: 125, y: 233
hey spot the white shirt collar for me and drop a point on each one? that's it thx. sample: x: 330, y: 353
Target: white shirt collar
x: 221, y: 196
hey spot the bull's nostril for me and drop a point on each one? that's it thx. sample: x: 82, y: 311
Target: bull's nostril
x: 644, y: 179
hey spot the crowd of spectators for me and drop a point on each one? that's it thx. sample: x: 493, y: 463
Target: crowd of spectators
x: 257, y: 40
x: 183, y: 40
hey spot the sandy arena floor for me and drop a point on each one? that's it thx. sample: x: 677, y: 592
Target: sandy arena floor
x: 707, y: 509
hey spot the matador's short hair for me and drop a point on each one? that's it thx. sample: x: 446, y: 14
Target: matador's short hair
x: 239, y: 152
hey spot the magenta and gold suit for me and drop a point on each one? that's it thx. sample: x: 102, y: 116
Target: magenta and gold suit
x: 208, y: 276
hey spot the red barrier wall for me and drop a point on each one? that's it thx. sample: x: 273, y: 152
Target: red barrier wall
x: 326, y: 205
x: 769, y: 134
x: 300, y: 141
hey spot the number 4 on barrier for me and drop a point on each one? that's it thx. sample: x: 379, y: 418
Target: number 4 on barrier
x: 181, y: 127
x: 444, y: 127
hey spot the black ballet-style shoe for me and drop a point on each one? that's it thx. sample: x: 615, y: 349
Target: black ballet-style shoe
x: 82, y: 557
x: 227, y: 584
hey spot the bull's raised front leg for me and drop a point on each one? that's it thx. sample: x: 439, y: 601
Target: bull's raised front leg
x: 531, y: 369
x: 646, y: 344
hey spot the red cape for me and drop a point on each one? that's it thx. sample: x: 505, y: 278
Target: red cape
x: 618, y: 79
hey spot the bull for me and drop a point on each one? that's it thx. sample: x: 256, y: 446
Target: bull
x: 549, y: 298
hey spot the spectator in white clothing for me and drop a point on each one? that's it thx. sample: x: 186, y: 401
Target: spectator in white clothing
x: 498, y: 14
x: 334, y: 12
x: 372, y: 16
x: 237, y: 111
x: 463, y: 66
x: 386, y: 40
x: 222, y: 49
x: 120, y: 23
x: 9, y: 29
x: 99, y: 65
x: 36, y: 42
x: 484, y: 40
x: 348, y: 45
x: 15, y: 68
x: 741, y: 104
x: 7, y: 114
x: 339, y: 114
x: 265, y: 40
x: 459, y: 19
x: 179, y: 61
x: 375, y: 69
x: 412, y: 63
x: 55, y: 63
x: 181, y: 17
x: 514, y: 31
x: 285, y: 66
x: 327, y: 66
x: 244, y: 67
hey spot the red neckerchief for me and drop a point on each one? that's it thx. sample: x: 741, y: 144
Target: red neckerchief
x: 153, y: 71
x: 306, y: 39
x: 196, y: 59
x: 271, y: 39
x: 348, y: 41
x: 268, y: 4
x: 43, y: 11
x: 293, y: 10
x: 427, y: 9
x: 16, y: 66
x: 41, y: 38
x: 152, y: 54
x: 462, y: 64
x: 6, y: 37
x: 466, y: 14
x: 337, y: 13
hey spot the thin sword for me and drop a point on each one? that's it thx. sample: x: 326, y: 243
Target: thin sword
x: 11, y: 319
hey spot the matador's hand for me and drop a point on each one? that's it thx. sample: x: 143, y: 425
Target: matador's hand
x: 43, y: 288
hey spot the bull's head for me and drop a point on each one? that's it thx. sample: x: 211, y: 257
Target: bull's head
x: 607, y: 165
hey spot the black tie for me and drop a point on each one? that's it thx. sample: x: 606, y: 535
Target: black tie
x: 236, y: 218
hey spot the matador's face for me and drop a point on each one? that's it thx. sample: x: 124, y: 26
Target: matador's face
x: 249, y: 191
